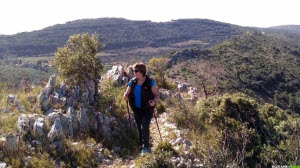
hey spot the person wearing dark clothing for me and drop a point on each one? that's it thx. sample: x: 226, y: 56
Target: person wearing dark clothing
x: 142, y: 94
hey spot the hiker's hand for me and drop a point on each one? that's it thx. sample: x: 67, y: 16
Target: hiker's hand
x: 152, y: 103
x: 125, y: 96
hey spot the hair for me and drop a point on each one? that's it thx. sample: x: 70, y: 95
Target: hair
x: 140, y: 66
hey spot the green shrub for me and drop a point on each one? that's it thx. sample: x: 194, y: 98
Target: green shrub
x: 82, y: 155
x: 160, y: 158
x: 41, y: 160
x: 235, y: 128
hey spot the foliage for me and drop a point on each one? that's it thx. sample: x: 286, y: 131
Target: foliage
x: 111, y: 102
x: 265, y: 66
x: 14, y: 75
x: 111, y: 31
x: 158, y: 66
x: 41, y: 160
x: 160, y: 158
x: 76, y: 61
x: 82, y: 155
x: 235, y: 128
x: 183, y: 114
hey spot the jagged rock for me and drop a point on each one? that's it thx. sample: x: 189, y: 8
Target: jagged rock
x: 51, y: 117
x: 83, y: 121
x: 70, y: 102
x: 10, y: 99
x: 125, y: 80
x: 74, y: 120
x: 193, y: 93
x: 63, y: 101
x: 187, y: 143
x: 38, y: 127
x: 3, y: 165
x: 43, y: 97
x: 54, y: 99
x: 21, y: 108
x: 182, y: 87
x: 178, y: 141
x: 106, y: 125
x: 105, y: 131
x: 164, y: 94
x: 85, y: 97
x: 107, y: 161
x: 37, y: 145
x: 56, y: 131
x: 58, y: 146
x: 26, y: 160
x: 115, y: 75
x: 130, y: 74
x: 66, y: 122
x: 45, y: 105
x: 177, y: 96
x: 50, y: 85
x: 5, y: 110
x: 16, y: 103
x: 11, y: 145
x: 62, y: 89
x: 25, y: 123
x: 178, y: 133
x: 75, y: 92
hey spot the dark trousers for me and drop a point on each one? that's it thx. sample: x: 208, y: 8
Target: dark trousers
x: 143, y: 119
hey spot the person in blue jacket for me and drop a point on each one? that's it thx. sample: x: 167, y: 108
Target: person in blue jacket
x: 142, y: 94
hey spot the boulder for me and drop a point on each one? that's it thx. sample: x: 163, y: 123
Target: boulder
x: 38, y: 128
x: 50, y: 85
x: 178, y: 96
x: 3, y: 165
x: 43, y: 97
x: 56, y: 132
x: 125, y: 80
x: 130, y: 74
x: 66, y: 122
x: 11, y: 145
x: 83, y: 121
x: 115, y: 75
x: 164, y: 94
x: 5, y: 110
x: 182, y: 87
x: 71, y: 113
x: 25, y: 123
x: 10, y: 99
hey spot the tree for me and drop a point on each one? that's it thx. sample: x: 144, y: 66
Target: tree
x: 159, y: 66
x: 76, y: 62
x: 208, y: 74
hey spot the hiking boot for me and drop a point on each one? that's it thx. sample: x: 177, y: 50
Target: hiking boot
x: 144, y: 151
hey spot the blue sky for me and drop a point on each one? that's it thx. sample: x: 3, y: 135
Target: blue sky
x: 28, y: 15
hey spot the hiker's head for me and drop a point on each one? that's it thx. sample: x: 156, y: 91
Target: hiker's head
x: 139, y: 68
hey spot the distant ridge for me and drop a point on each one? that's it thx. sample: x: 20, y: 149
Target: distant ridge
x: 118, y: 34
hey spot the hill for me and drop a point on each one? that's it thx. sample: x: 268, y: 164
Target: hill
x: 262, y: 65
x: 120, y: 34
x: 283, y: 29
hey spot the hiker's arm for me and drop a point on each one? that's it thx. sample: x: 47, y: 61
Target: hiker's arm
x: 127, y: 92
x: 155, y: 92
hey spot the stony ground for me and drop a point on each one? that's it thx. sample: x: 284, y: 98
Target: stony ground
x: 170, y: 133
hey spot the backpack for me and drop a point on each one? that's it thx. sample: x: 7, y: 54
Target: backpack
x: 146, y: 94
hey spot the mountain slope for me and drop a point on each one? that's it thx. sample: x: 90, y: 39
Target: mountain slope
x: 118, y: 33
x: 261, y: 65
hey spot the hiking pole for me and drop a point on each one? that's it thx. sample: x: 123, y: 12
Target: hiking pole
x: 157, y: 125
x: 128, y: 115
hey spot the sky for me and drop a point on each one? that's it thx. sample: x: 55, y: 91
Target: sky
x: 28, y: 15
